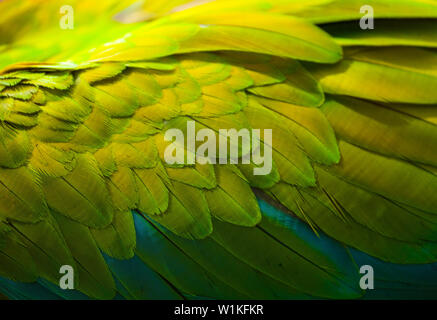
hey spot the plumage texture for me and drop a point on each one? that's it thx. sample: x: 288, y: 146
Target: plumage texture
x: 84, y: 182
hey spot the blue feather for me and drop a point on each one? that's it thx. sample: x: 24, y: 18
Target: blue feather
x: 26, y: 291
x: 139, y: 280
x: 165, y: 263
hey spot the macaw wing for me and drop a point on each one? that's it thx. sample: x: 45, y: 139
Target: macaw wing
x: 84, y: 180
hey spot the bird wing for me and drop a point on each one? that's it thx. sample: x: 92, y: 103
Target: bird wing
x: 83, y: 175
